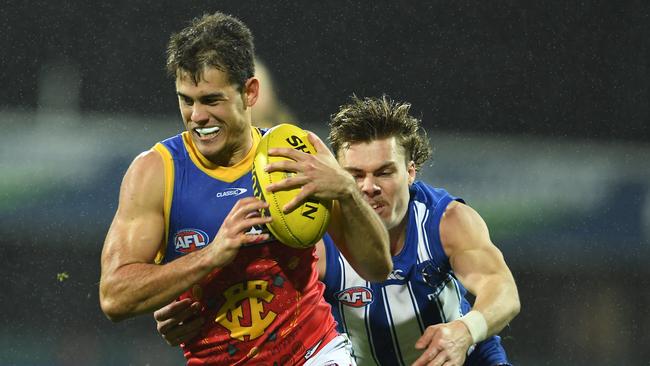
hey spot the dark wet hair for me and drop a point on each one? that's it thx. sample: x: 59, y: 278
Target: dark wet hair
x: 214, y: 40
x: 369, y: 119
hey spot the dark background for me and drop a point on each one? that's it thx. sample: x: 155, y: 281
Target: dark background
x: 543, y: 68
x: 566, y: 81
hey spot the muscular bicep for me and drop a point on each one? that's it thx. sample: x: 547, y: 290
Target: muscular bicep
x: 466, y: 241
x: 138, y: 226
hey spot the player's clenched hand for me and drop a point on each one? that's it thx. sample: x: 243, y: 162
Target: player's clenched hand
x: 233, y: 232
x: 178, y: 322
x: 318, y: 174
x: 444, y: 344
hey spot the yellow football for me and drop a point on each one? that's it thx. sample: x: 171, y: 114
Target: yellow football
x: 304, y: 226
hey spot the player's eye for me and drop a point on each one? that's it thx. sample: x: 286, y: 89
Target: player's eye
x: 186, y: 100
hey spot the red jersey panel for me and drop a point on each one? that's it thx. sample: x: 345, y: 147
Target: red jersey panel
x: 266, y: 308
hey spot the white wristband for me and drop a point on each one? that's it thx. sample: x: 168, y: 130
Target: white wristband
x: 475, y: 322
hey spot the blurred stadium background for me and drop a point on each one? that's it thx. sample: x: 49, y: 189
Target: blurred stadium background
x: 538, y: 112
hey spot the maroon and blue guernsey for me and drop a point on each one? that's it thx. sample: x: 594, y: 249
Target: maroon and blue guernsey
x: 267, y: 305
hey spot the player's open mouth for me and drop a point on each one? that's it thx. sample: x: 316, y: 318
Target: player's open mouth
x: 376, y: 206
x: 207, y: 132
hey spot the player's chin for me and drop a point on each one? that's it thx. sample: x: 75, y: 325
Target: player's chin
x: 209, y: 148
x: 388, y: 220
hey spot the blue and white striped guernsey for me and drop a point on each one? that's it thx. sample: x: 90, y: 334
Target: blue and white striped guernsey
x: 384, y: 320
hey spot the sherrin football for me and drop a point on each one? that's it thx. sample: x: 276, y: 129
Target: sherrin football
x: 304, y: 226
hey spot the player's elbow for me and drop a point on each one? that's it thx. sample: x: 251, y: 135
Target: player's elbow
x: 112, y: 306
x: 515, y: 308
x: 112, y: 310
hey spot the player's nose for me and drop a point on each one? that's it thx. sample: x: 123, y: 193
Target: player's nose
x: 199, y: 113
x: 369, y: 186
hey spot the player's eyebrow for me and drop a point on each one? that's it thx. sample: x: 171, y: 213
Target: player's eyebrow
x: 211, y: 96
x: 388, y: 164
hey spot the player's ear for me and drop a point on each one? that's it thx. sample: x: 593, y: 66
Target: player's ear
x: 250, y: 91
x: 411, y: 171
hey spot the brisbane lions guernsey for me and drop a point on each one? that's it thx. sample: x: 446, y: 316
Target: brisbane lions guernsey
x: 266, y: 307
x: 384, y: 320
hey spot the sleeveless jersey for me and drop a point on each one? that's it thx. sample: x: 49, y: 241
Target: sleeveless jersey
x: 267, y: 306
x: 384, y: 320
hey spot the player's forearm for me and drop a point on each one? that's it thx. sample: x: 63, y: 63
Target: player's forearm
x: 498, y: 301
x: 139, y: 288
x: 367, y: 238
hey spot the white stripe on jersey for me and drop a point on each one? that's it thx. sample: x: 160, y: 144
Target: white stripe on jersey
x: 342, y: 263
x: 356, y: 322
x: 421, y: 213
x: 401, y: 310
x: 404, y: 319
x: 416, y: 307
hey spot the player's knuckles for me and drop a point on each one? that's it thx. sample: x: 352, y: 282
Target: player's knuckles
x: 311, y: 170
x: 160, y: 315
x: 249, y: 204
x: 254, y: 213
x: 166, y: 322
x: 165, y: 329
x: 307, y: 189
x: 284, y: 184
x: 439, y: 333
x: 243, y: 202
x: 167, y: 312
x: 184, y: 315
x: 439, y: 359
x: 193, y: 327
x: 161, y: 329
x: 250, y: 207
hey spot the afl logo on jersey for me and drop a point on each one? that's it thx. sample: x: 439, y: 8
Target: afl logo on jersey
x: 355, y: 296
x: 189, y: 240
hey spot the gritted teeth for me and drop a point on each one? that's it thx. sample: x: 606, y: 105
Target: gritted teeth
x: 206, y: 130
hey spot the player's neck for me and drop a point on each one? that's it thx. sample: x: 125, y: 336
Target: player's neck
x: 234, y: 153
x: 397, y: 236
x: 242, y: 149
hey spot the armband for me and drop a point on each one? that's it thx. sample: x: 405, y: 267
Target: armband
x: 475, y: 322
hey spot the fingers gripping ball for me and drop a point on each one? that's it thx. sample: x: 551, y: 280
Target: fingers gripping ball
x: 304, y: 226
